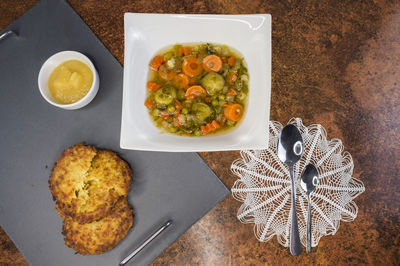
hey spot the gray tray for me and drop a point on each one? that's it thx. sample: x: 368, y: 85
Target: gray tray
x: 176, y: 186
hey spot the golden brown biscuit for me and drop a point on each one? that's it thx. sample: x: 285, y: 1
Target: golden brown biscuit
x: 100, y: 236
x: 86, y: 182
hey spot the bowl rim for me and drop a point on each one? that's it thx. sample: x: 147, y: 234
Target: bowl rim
x: 77, y: 104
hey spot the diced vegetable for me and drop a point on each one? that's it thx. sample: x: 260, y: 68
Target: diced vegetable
x: 231, y: 60
x: 156, y: 62
x: 149, y: 104
x: 231, y: 78
x: 232, y: 92
x: 153, y: 86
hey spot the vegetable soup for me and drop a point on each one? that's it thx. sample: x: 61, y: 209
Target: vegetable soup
x: 197, y: 89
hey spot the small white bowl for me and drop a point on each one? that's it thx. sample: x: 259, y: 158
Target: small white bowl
x: 51, y: 64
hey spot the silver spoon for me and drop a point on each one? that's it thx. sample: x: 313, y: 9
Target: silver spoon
x: 309, y: 180
x: 290, y: 149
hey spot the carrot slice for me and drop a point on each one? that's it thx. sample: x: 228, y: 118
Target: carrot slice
x: 153, y: 86
x: 195, y: 91
x: 149, y: 104
x: 156, y: 62
x: 212, y: 63
x: 232, y: 92
x: 182, y: 81
x: 231, y: 78
x: 165, y: 73
x: 231, y: 61
x: 191, y: 66
x: 233, y: 112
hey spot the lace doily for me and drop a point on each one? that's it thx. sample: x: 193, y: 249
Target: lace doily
x: 264, y: 187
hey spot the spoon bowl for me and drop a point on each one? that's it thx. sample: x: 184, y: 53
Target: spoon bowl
x: 309, y: 180
x: 290, y: 145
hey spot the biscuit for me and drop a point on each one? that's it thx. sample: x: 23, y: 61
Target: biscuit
x: 99, y: 236
x: 87, y: 182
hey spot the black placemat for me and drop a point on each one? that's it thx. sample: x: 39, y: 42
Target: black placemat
x: 177, y: 186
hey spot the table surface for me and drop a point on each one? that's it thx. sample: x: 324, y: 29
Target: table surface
x: 346, y: 57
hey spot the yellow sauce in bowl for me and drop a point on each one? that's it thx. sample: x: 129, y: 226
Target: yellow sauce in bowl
x: 70, y: 81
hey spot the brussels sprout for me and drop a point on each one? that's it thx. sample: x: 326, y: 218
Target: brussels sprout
x: 165, y: 95
x: 201, y: 111
x: 213, y: 83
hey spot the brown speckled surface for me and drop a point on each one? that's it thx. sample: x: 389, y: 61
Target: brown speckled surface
x: 343, y: 54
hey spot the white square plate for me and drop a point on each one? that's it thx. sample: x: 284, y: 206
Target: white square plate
x: 146, y: 34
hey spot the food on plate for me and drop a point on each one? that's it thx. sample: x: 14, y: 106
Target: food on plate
x: 90, y: 187
x: 70, y: 81
x: 99, y: 236
x: 87, y: 182
x: 197, y: 89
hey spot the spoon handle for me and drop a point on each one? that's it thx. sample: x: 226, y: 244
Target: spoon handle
x: 309, y: 232
x: 295, y: 245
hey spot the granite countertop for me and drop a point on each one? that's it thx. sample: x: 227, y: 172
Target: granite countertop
x: 346, y: 56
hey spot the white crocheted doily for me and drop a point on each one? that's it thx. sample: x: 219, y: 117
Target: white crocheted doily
x: 264, y: 187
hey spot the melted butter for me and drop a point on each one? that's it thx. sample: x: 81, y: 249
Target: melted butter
x: 70, y: 81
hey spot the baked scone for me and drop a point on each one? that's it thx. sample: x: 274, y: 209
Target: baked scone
x: 86, y: 182
x: 99, y: 236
